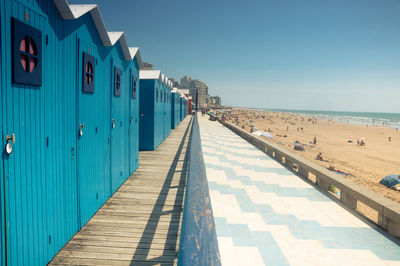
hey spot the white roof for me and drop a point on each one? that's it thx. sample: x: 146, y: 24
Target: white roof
x: 150, y: 74
x: 174, y: 90
x: 71, y: 12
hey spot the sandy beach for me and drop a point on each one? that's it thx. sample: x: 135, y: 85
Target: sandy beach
x: 337, y: 142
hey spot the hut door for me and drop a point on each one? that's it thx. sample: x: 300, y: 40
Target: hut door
x: 2, y: 179
x: 164, y: 115
x: 133, y: 124
x: 92, y: 131
x: 23, y: 140
x: 119, y: 125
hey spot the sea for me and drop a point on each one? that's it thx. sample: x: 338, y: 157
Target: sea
x: 363, y: 118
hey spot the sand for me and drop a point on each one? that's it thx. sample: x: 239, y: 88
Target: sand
x: 367, y: 164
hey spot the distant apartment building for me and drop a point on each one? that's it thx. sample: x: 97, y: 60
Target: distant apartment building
x: 195, y: 86
x: 147, y: 66
x: 185, y: 82
x: 175, y: 84
x: 215, y: 100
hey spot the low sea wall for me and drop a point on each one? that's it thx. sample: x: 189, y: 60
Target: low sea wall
x: 352, y: 195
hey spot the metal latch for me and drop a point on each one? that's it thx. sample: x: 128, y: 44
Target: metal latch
x: 9, y: 141
x: 81, y: 128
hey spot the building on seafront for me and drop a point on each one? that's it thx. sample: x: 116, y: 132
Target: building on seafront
x: 196, y: 87
x: 215, y: 100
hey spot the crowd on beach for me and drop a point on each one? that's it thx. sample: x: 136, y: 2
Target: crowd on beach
x: 322, y: 141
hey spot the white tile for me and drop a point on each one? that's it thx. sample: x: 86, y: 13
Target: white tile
x: 247, y: 256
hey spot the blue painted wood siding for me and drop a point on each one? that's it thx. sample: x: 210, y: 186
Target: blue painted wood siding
x: 134, y: 120
x: 2, y: 143
x: 147, y: 114
x: 55, y: 181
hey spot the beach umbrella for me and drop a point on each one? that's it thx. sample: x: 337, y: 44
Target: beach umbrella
x: 262, y: 133
x: 298, y: 147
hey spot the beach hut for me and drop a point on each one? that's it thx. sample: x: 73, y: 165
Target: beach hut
x: 151, y: 109
x: 166, y: 108
x: 133, y: 94
x: 167, y: 124
x: 58, y: 65
x: 182, y: 107
x: 189, y: 105
x: 175, y: 116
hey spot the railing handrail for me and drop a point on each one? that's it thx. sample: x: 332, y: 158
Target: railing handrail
x: 198, y: 241
x: 388, y: 210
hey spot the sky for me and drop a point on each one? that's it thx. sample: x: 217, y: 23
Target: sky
x: 338, y: 55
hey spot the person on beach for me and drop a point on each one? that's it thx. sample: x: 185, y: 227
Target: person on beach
x: 315, y: 141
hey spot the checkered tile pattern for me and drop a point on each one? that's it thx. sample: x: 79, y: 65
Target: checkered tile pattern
x: 266, y: 215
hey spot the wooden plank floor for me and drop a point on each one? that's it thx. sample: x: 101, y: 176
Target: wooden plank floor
x: 140, y: 223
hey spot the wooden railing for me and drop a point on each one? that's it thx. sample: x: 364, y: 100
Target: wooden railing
x: 198, y: 242
x: 352, y: 195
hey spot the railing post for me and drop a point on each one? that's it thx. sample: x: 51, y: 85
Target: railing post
x: 348, y: 200
x: 393, y: 228
x: 322, y: 183
x: 303, y: 172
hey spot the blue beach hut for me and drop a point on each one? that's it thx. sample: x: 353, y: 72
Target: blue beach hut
x: 151, y: 109
x: 174, y: 108
x: 167, y: 108
x: 58, y: 64
x: 181, y: 109
x: 164, y: 105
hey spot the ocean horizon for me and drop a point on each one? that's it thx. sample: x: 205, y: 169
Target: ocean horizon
x: 363, y: 118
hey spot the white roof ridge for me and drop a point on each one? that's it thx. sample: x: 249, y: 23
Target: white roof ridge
x: 135, y: 51
x: 114, y: 36
x: 80, y: 10
x: 71, y: 12
x: 150, y: 74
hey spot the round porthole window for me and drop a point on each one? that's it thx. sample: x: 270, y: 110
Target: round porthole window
x: 118, y: 83
x: 134, y: 88
x: 89, y: 72
x: 28, y: 54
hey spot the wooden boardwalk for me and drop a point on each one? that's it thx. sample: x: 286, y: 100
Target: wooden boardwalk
x: 140, y: 223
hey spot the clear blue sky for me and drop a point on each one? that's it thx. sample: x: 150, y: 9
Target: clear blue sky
x: 297, y: 54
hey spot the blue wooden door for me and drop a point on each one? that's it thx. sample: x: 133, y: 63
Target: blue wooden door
x: 24, y: 183
x: 2, y: 180
x: 134, y: 123
x: 163, y: 113
x: 119, y: 124
x: 92, y: 131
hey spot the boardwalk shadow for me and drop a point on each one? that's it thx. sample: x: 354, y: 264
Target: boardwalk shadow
x: 170, y: 253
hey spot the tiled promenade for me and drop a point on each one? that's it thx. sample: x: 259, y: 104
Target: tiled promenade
x: 266, y: 215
